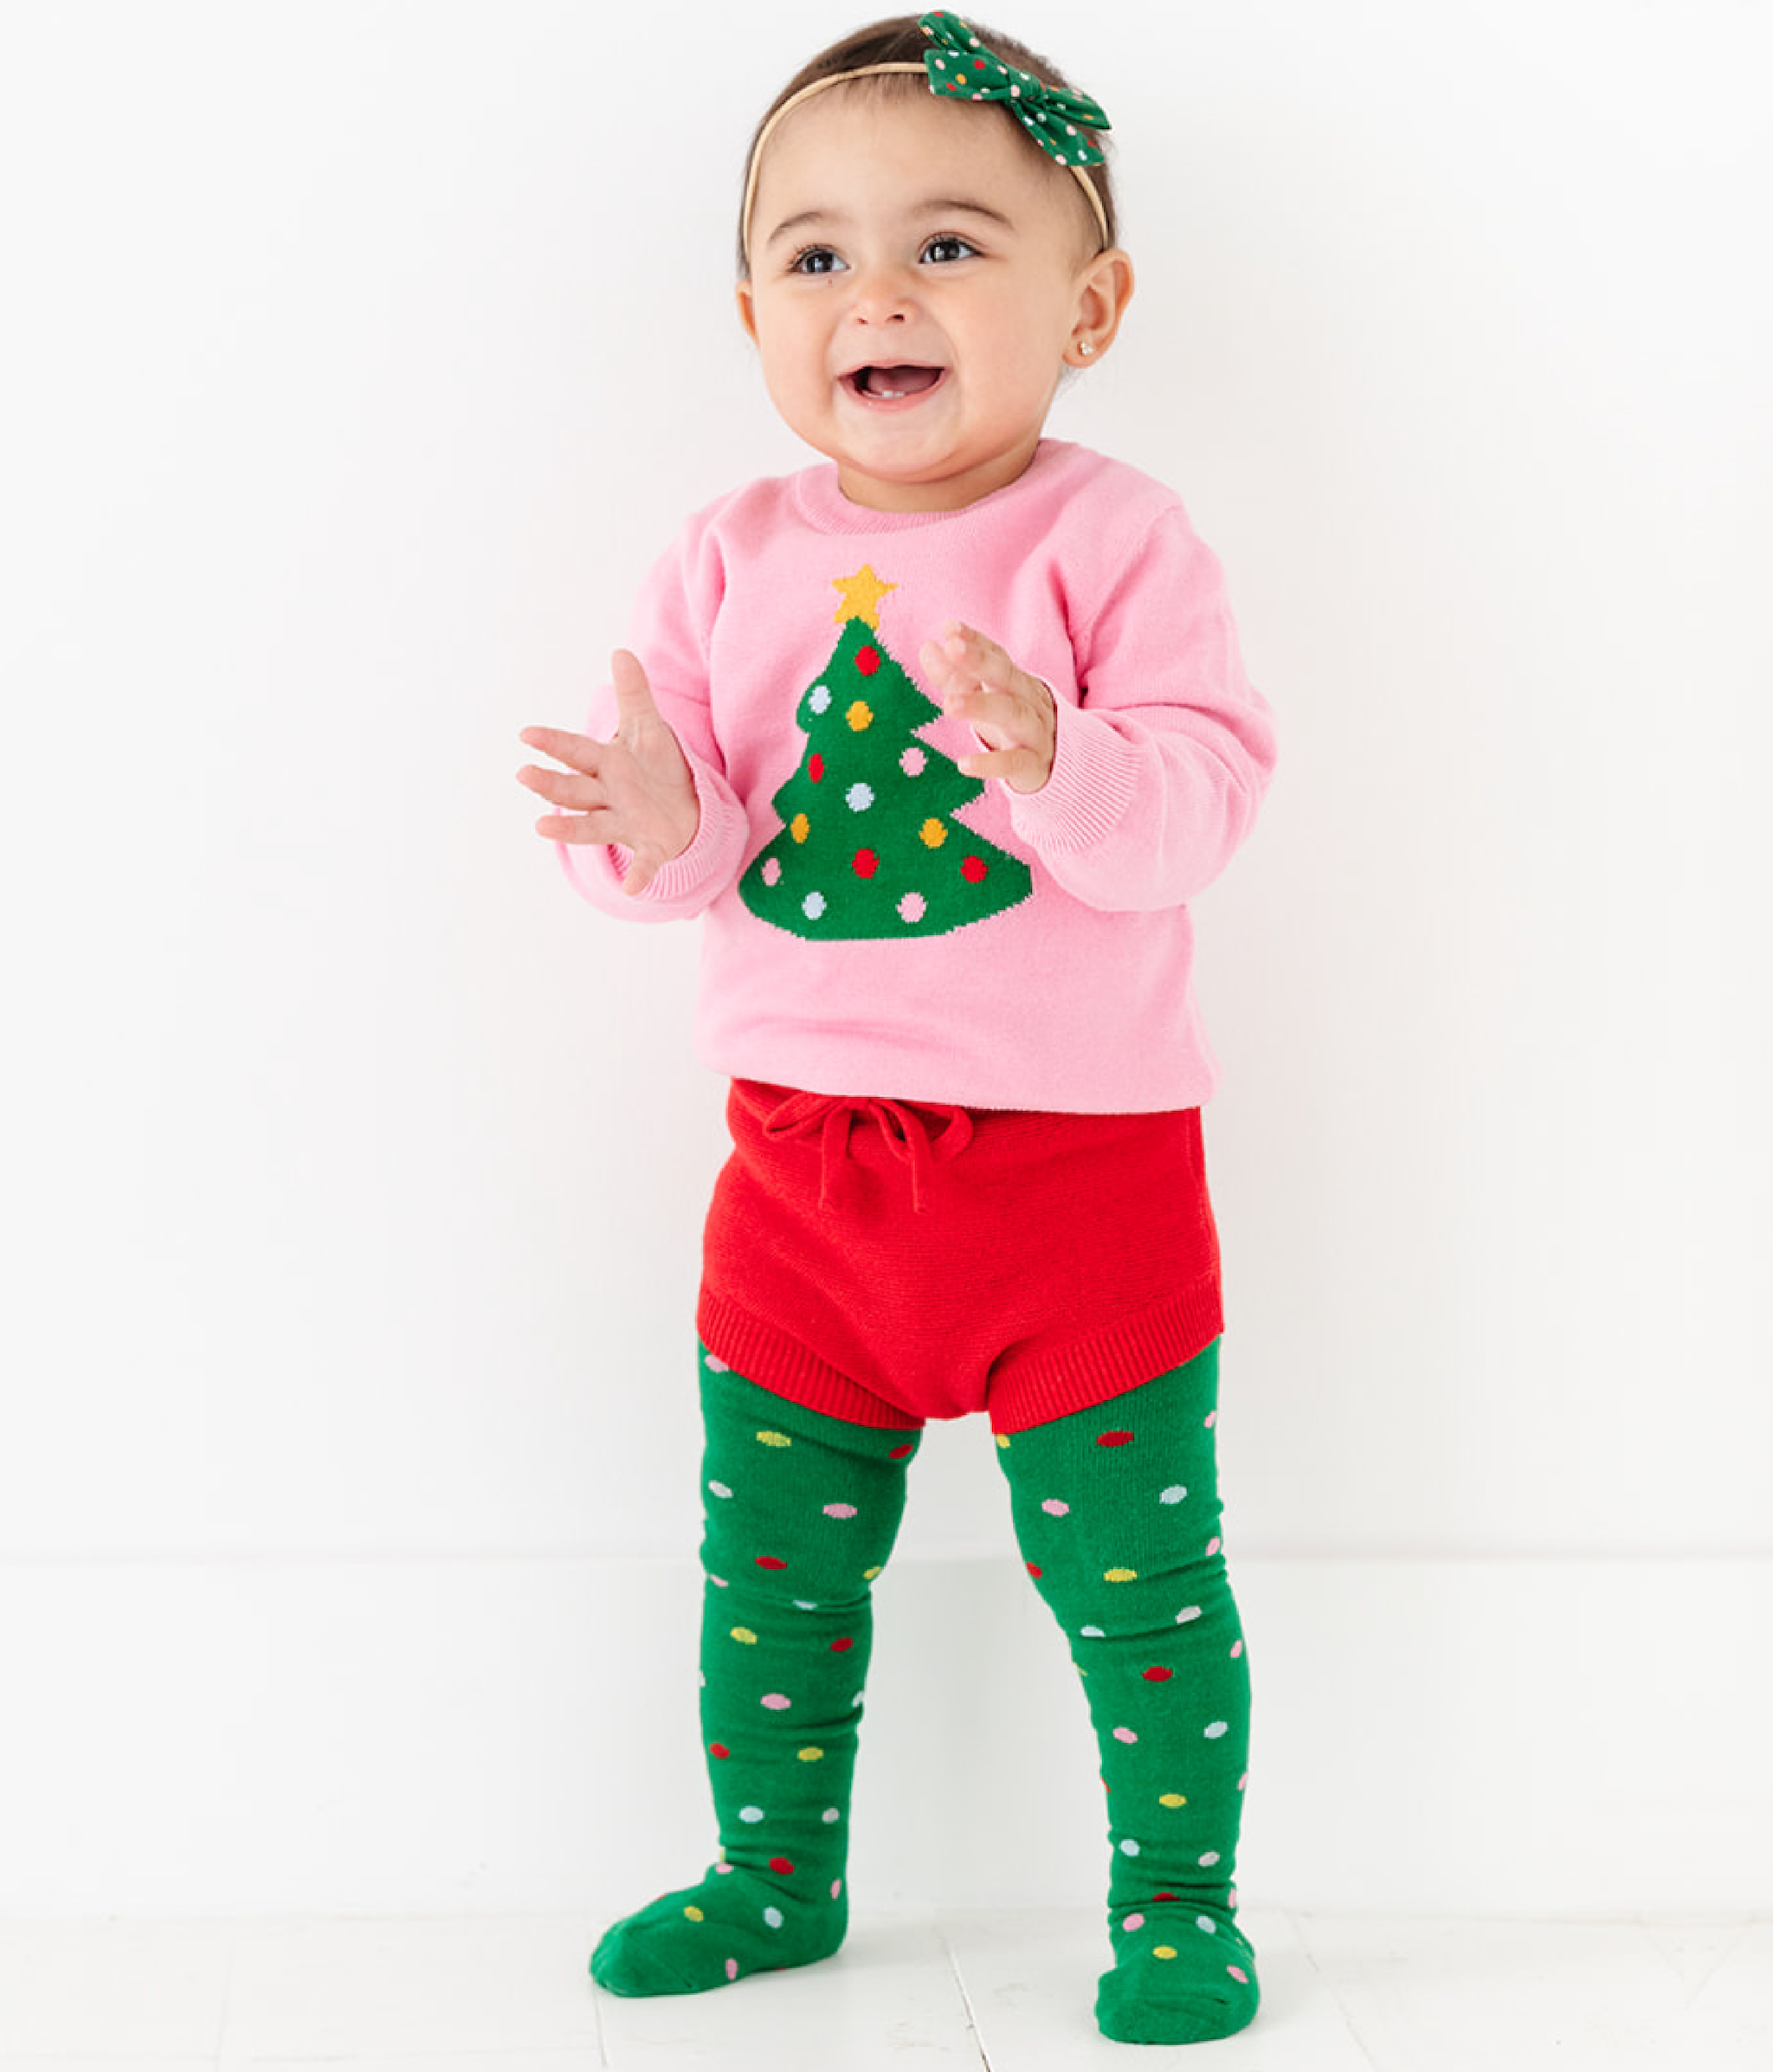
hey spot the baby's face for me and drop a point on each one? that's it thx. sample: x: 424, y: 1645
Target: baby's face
x: 918, y: 276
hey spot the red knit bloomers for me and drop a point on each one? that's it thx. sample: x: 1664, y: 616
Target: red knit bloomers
x: 890, y: 1262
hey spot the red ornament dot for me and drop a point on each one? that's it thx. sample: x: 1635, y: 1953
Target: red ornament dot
x: 1157, y: 1676
x: 842, y: 1646
x: 974, y: 870
x: 816, y: 767
x: 771, y: 1561
x: 719, y: 1751
x: 867, y: 863
x: 1115, y: 1438
x: 782, y: 1867
x: 1033, y: 1568
x: 1162, y: 1895
x: 900, y: 1453
x: 868, y: 660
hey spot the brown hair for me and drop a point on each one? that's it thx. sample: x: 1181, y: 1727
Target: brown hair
x: 899, y: 39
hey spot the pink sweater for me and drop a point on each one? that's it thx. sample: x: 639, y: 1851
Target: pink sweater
x: 875, y: 923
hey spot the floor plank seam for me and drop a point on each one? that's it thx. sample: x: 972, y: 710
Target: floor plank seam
x: 966, y: 1999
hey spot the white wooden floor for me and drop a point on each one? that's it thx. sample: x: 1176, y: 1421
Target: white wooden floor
x: 1008, y: 1992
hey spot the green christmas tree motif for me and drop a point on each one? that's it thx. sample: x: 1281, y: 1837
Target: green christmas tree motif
x: 870, y: 845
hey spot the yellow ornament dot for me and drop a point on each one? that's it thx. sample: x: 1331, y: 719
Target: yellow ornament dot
x: 869, y: 1574
x: 1120, y: 1575
x: 694, y: 1913
x: 744, y: 1637
x: 774, y: 1438
x: 1172, y: 1799
x: 800, y: 827
x: 1162, y: 1950
x: 812, y: 1755
x: 1002, y: 1440
x: 932, y: 834
x: 859, y: 717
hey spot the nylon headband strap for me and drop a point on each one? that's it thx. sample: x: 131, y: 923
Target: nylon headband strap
x: 838, y: 78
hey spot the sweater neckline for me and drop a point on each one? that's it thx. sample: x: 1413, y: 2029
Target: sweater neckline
x: 824, y: 506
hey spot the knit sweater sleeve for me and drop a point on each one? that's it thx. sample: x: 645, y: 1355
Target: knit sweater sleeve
x: 674, y: 618
x: 1164, y: 757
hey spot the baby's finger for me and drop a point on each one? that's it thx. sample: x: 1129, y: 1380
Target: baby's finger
x: 1023, y: 768
x: 578, y: 751
x: 578, y: 829
x: 940, y: 668
x: 563, y: 788
x: 634, y: 694
x: 975, y: 652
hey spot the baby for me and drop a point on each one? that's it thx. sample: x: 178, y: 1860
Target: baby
x: 940, y: 738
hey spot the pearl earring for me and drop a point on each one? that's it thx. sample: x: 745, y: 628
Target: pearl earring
x: 1086, y: 347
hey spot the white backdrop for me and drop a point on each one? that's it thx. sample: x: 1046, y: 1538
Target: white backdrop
x: 356, y: 360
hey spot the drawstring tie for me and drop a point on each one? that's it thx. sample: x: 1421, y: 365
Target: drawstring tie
x: 829, y: 1117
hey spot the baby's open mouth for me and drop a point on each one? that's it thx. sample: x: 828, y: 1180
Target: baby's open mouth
x: 893, y: 384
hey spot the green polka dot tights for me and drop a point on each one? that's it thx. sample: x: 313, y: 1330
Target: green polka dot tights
x: 1116, y: 1511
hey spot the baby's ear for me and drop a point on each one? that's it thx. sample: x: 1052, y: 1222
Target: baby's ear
x: 1105, y: 290
x: 747, y: 314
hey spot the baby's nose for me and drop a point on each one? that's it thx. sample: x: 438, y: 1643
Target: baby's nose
x: 882, y: 295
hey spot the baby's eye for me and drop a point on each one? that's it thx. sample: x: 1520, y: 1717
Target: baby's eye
x: 942, y: 251
x: 815, y: 259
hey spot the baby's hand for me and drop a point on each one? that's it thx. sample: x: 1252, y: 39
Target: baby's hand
x: 1010, y: 711
x: 635, y: 790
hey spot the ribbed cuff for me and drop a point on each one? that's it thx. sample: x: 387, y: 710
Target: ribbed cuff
x: 1045, y: 1382
x: 766, y: 1355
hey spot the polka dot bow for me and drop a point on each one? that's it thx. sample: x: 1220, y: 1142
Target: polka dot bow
x: 1057, y: 120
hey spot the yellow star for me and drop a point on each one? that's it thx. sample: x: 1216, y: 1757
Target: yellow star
x: 862, y: 593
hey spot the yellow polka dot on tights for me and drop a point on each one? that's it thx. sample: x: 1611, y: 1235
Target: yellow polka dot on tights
x: 694, y: 1913
x: 1162, y: 1950
x: 744, y: 1637
x: 774, y: 1438
x: 1172, y: 1799
x: 812, y: 1755
x: 869, y: 1574
x: 1120, y: 1575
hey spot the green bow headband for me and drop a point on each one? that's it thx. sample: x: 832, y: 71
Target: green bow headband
x: 960, y: 67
